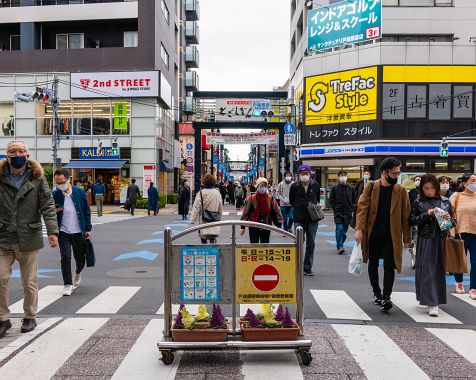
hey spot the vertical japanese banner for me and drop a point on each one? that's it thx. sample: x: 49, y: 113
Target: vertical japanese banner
x: 147, y: 177
x: 120, y: 116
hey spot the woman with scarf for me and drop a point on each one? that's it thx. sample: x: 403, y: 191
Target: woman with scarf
x: 261, y: 208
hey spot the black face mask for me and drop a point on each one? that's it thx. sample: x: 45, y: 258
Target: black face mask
x: 392, y: 181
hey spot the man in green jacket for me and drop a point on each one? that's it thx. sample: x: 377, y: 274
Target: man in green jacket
x: 24, y: 198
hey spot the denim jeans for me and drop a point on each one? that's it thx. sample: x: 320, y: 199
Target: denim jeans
x: 341, y: 235
x: 288, y: 216
x: 310, y: 231
x: 469, y: 245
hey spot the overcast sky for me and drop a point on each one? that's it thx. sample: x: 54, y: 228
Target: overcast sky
x: 244, y: 46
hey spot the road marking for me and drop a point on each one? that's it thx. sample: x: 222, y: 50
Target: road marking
x: 142, y: 360
x: 462, y: 341
x: 256, y: 364
x: 239, y: 213
x: 377, y: 354
x: 192, y: 309
x: 110, y: 300
x: 25, y: 338
x: 336, y: 304
x: 49, y: 352
x: 465, y: 298
x: 226, y: 213
x: 406, y: 301
x: 46, y: 296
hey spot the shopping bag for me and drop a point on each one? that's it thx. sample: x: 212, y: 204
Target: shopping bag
x: 89, y: 253
x: 455, y: 255
x: 355, y: 262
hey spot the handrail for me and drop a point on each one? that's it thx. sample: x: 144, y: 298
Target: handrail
x: 232, y: 223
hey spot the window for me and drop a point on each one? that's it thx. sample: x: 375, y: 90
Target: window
x: 6, y: 118
x: 165, y: 10
x: 15, y: 42
x: 460, y: 165
x: 164, y: 55
x: 70, y: 41
x: 131, y: 39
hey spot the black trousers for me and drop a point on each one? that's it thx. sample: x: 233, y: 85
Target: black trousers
x: 76, y: 242
x: 257, y: 235
x: 381, y: 247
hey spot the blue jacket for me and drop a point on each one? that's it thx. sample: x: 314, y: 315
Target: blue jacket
x: 152, y: 203
x: 81, y: 205
x: 99, y: 189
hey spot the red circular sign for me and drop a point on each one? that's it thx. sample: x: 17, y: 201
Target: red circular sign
x: 265, y: 277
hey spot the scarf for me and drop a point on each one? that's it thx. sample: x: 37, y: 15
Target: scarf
x: 208, y: 186
x: 262, y: 210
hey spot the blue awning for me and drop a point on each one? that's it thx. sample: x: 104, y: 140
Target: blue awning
x: 165, y: 166
x: 95, y: 164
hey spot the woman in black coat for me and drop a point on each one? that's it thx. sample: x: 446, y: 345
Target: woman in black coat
x: 430, y: 281
x: 184, y: 199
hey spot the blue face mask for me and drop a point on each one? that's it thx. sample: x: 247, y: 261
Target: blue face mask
x: 263, y: 190
x: 18, y: 161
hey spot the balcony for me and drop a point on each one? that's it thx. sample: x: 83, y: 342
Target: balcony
x: 190, y: 105
x: 192, y: 10
x: 191, y: 81
x: 191, y: 57
x: 192, y: 32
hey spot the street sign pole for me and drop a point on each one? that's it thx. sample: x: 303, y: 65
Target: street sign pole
x: 55, y: 137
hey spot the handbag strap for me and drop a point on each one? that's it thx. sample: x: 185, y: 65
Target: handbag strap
x: 458, y: 196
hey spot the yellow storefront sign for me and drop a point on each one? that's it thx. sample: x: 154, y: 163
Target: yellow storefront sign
x: 429, y: 74
x: 266, y: 274
x: 342, y: 97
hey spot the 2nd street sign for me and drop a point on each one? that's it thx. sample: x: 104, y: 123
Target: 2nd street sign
x: 290, y: 139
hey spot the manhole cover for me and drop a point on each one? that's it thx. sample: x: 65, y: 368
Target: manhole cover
x: 137, y: 272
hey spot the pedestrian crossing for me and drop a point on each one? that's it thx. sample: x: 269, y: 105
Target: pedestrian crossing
x: 232, y: 213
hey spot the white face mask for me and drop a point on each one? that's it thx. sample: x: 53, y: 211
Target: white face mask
x: 288, y: 179
x: 343, y: 179
x: 417, y: 183
x: 445, y: 186
x: 471, y: 187
x: 305, y: 178
x: 62, y: 187
x: 263, y: 190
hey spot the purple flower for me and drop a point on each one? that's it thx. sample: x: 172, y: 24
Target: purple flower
x: 253, y: 320
x: 287, y: 320
x: 217, y: 321
x: 279, y: 315
x: 178, y: 320
x: 248, y: 314
x: 181, y: 306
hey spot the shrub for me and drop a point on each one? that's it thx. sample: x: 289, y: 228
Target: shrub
x: 172, y: 199
x: 162, y: 200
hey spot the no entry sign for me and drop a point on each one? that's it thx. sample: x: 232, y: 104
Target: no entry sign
x: 265, y: 277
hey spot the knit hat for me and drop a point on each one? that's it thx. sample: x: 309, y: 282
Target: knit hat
x: 260, y: 180
x: 304, y: 168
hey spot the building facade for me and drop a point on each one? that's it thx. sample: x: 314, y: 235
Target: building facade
x: 122, y: 70
x: 398, y: 95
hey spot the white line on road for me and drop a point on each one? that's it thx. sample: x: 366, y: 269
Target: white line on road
x: 336, y: 304
x: 257, y: 364
x: 462, y: 341
x: 46, y: 296
x: 44, y: 356
x: 110, y: 300
x: 377, y: 354
x: 142, y: 360
x: 406, y: 301
x: 465, y: 298
x: 192, y: 309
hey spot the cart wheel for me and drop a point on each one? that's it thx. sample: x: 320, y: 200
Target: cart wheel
x: 167, y: 357
x: 306, y: 357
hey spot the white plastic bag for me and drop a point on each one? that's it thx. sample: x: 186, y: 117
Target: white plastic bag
x: 355, y: 262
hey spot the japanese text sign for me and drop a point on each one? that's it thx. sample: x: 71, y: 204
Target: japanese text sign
x: 342, y: 97
x: 240, y: 109
x: 120, y: 116
x: 266, y: 274
x: 92, y: 153
x: 242, y: 138
x: 344, y: 23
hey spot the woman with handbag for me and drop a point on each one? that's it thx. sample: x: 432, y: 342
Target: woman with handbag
x: 262, y: 208
x: 464, y: 205
x: 207, y: 208
x: 430, y: 281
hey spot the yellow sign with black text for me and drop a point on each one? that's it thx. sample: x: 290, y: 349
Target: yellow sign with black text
x: 266, y: 274
x: 342, y: 97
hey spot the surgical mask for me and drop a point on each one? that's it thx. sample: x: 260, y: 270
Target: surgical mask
x: 304, y: 178
x: 417, y: 183
x: 288, y: 179
x: 62, y: 187
x: 263, y: 190
x: 343, y: 180
x: 17, y: 161
x: 445, y: 186
x: 471, y: 187
x: 366, y: 177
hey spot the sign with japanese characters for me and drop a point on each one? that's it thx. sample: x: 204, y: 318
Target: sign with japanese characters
x: 266, y: 274
x: 343, y: 23
x: 239, y: 166
x: 120, y: 116
x: 240, y: 109
x: 242, y: 138
x: 92, y: 153
x: 342, y: 97
x: 290, y: 139
x: 463, y: 102
x: 199, y: 273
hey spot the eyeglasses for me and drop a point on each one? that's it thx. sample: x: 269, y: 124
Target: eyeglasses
x: 17, y: 151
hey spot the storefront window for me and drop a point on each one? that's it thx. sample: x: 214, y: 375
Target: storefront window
x: 415, y: 165
x: 460, y: 165
x: 6, y: 118
x: 101, y: 117
x: 438, y: 165
x: 82, y: 117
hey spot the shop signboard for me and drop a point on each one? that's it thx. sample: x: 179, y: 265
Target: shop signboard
x: 92, y: 153
x: 126, y: 84
x: 120, y: 116
x: 148, y: 176
x: 343, y: 23
x: 266, y: 274
x: 290, y: 139
x: 240, y: 109
x: 242, y: 138
x: 239, y: 166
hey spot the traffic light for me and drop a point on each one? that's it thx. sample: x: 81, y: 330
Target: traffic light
x: 115, y: 148
x: 444, y: 149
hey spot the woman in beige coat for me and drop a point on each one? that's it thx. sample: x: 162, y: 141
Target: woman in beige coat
x: 208, y: 198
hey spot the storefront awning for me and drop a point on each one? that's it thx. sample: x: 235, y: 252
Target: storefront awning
x: 166, y: 166
x: 96, y: 164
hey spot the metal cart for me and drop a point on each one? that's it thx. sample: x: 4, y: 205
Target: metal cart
x: 172, y: 276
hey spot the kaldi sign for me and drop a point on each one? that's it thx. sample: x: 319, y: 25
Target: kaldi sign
x: 134, y: 84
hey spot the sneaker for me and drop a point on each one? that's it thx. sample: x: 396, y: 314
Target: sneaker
x: 308, y: 273
x: 459, y: 288
x: 472, y: 294
x: 77, y: 280
x: 28, y: 325
x: 433, y: 311
x: 341, y: 251
x: 377, y: 300
x: 386, y: 305
x: 4, y: 327
x: 68, y: 290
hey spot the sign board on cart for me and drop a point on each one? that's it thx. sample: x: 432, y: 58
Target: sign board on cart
x: 266, y: 274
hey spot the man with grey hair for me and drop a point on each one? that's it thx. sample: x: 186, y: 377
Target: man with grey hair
x: 25, y: 198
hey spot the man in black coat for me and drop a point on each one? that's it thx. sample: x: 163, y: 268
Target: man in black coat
x: 342, y: 200
x: 302, y: 192
x: 133, y: 193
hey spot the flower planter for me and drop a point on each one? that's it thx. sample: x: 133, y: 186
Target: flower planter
x: 201, y: 325
x: 278, y: 333
x: 199, y: 335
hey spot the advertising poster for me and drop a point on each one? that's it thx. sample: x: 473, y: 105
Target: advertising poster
x: 148, y: 177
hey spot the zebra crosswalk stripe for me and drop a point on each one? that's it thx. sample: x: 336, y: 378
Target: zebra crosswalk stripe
x: 109, y: 301
x: 46, y: 296
x: 460, y: 340
x: 336, y: 304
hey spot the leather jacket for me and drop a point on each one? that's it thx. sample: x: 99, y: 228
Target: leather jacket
x: 428, y: 227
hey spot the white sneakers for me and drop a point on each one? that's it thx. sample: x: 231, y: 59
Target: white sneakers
x: 459, y: 288
x: 68, y: 290
x: 433, y: 311
x: 77, y: 280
